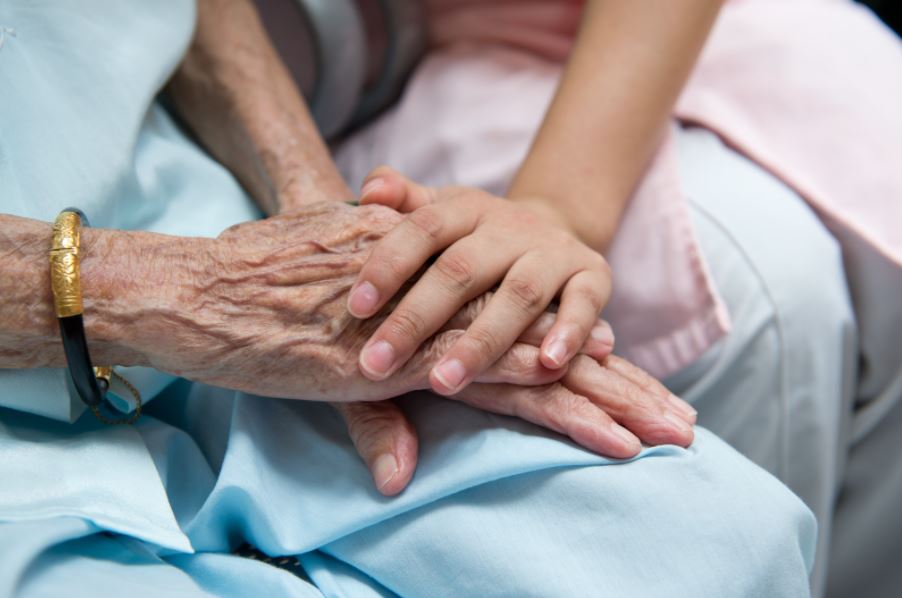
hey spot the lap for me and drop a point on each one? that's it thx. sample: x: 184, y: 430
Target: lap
x: 515, y: 507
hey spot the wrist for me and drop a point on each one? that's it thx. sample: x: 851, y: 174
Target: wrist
x: 304, y: 186
x: 136, y: 288
x: 593, y: 229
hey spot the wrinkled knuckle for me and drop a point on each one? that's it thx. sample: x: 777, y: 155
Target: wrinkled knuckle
x: 427, y: 222
x: 562, y: 406
x: 522, y: 362
x: 407, y: 324
x: 525, y: 294
x: 456, y: 271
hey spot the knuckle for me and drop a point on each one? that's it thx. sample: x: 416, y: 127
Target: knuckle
x: 525, y: 294
x: 483, y: 342
x: 390, y: 265
x: 406, y: 324
x: 561, y: 407
x: 591, y: 295
x: 456, y: 270
x: 427, y: 222
x: 371, y: 426
x: 600, y: 264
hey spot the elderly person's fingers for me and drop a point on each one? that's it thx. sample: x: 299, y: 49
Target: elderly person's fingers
x: 648, y: 382
x: 385, y: 440
x: 556, y: 408
x: 648, y: 410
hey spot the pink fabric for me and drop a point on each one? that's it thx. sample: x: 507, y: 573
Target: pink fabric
x: 810, y: 89
x: 541, y: 27
x: 468, y: 116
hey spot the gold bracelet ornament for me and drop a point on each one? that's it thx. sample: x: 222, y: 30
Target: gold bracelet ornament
x: 65, y: 271
x: 91, y: 383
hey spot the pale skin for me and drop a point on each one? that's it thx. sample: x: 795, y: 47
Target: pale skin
x: 628, y: 65
x: 262, y: 307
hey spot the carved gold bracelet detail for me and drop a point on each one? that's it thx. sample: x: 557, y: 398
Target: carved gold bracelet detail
x: 65, y: 277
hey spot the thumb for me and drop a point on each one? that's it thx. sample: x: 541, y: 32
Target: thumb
x: 385, y: 440
x: 386, y: 186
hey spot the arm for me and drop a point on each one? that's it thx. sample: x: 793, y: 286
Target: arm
x: 628, y: 66
x: 234, y: 92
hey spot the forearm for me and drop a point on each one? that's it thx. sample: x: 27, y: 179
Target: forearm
x: 629, y: 63
x: 237, y: 96
x: 132, y: 283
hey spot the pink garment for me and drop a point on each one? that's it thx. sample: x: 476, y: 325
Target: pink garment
x: 810, y: 89
x: 542, y: 27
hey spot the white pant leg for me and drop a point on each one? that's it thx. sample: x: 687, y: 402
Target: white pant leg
x: 779, y: 386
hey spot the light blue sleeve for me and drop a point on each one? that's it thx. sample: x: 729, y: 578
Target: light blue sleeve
x: 80, y: 126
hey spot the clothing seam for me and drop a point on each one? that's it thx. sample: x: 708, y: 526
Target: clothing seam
x: 783, y: 464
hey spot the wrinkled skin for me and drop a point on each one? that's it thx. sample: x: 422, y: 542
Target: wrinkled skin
x: 262, y: 309
x: 268, y: 315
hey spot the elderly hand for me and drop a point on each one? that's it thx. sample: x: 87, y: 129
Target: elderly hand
x: 585, y: 405
x: 262, y: 309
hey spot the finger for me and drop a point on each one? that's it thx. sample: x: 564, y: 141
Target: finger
x: 385, y: 440
x: 648, y: 382
x: 582, y: 299
x: 646, y: 413
x: 519, y: 365
x: 404, y: 250
x: 523, y: 295
x: 556, y: 408
x: 386, y: 186
x: 598, y: 346
x: 456, y: 277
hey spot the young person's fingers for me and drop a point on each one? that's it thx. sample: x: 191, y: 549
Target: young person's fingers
x: 405, y: 249
x: 523, y: 295
x: 598, y: 345
x: 582, y: 299
x: 385, y: 440
x: 458, y: 275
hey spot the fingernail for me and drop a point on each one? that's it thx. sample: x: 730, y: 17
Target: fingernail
x: 385, y: 468
x: 378, y: 358
x: 370, y: 186
x: 625, y: 435
x: 677, y: 422
x: 557, y: 351
x: 450, y: 373
x: 603, y: 334
x: 683, y: 407
x: 363, y: 299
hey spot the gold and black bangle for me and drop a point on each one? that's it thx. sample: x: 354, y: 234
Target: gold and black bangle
x: 91, y: 383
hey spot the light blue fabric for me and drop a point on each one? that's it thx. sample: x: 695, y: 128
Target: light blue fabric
x: 497, y: 507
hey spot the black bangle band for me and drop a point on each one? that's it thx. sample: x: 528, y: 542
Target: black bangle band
x: 90, y: 383
x: 75, y: 346
x: 81, y: 370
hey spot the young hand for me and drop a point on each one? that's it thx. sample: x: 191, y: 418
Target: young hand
x: 524, y: 248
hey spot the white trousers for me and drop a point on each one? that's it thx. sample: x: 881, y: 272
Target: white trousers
x: 781, y: 386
